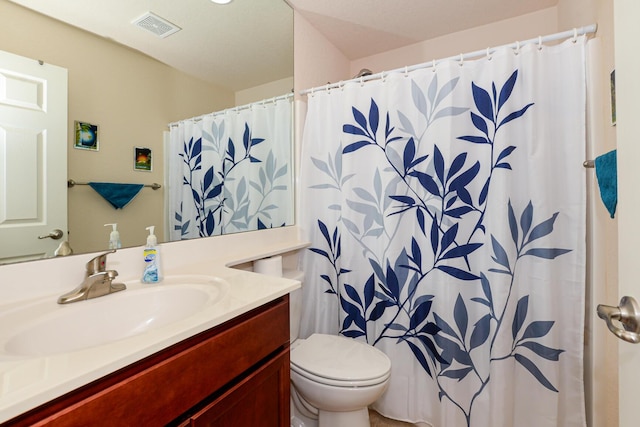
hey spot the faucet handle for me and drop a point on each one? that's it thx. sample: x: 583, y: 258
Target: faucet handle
x: 97, y: 264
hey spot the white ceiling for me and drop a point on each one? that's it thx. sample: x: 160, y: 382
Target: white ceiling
x: 239, y: 45
x: 203, y: 48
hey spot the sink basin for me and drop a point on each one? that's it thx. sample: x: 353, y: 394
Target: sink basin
x: 99, y: 321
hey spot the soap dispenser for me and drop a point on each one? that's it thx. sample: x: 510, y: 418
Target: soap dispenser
x: 151, y: 273
x: 114, y: 237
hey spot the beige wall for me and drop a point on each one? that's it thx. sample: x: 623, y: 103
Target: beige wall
x: 265, y: 91
x: 601, y: 355
x: 495, y: 34
x: 316, y: 60
x: 132, y: 98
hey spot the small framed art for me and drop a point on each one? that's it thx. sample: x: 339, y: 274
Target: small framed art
x: 86, y: 136
x: 612, y: 79
x: 142, y: 159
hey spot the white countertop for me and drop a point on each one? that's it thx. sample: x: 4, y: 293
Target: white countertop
x: 29, y: 381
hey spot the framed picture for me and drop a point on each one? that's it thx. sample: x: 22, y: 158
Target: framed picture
x: 612, y: 79
x: 86, y: 136
x: 142, y: 160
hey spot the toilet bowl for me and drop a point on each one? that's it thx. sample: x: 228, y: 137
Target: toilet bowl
x: 334, y: 379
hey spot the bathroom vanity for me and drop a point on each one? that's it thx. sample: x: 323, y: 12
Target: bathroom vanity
x: 219, y: 356
x: 207, y: 345
x: 234, y: 374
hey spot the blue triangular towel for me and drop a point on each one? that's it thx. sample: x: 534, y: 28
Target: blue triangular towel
x: 119, y: 195
x: 607, y: 174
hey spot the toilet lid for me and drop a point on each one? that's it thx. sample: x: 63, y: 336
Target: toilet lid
x: 339, y: 358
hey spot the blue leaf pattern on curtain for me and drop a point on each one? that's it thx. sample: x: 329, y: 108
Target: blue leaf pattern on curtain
x: 445, y: 189
x: 235, y: 172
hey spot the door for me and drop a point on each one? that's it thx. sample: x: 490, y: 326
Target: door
x: 33, y: 158
x: 627, y: 60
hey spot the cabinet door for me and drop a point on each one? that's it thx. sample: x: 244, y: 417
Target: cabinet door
x: 261, y: 399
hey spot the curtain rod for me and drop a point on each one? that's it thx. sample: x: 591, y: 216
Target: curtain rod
x: 236, y: 109
x: 588, y: 29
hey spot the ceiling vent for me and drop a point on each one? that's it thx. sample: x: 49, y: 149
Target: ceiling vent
x: 158, y: 26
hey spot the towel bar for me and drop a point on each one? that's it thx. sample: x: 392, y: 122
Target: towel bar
x: 71, y: 183
x: 588, y: 164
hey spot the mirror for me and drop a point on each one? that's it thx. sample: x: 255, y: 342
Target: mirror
x: 132, y: 97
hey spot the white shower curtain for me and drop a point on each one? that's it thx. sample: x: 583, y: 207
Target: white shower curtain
x: 231, y: 171
x: 446, y: 211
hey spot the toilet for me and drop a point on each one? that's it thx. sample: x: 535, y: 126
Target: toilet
x: 333, y: 378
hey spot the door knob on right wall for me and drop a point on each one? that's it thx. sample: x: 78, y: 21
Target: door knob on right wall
x: 628, y: 314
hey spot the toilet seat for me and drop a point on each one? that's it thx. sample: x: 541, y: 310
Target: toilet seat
x: 339, y: 361
x: 339, y: 383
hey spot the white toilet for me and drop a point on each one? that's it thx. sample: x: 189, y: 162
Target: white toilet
x: 333, y: 379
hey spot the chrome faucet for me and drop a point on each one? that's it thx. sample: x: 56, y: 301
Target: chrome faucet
x: 97, y: 282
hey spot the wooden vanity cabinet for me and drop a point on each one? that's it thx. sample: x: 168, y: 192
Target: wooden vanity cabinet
x: 255, y: 401
x: 236, y: 374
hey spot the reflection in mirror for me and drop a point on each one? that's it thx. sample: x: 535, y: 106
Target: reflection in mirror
x: 132, y: 97
x: 234, y: 168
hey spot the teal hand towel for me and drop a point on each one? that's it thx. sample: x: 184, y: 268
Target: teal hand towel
x: 607, y: 175
x: 119, y: 195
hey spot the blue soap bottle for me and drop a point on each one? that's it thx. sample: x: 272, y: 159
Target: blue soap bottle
x: 151, y: 273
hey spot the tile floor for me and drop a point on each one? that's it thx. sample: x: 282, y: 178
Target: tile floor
x: 378, y: 420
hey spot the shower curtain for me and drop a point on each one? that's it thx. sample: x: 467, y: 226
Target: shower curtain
x: 231, y: 171
x: 446, y: 211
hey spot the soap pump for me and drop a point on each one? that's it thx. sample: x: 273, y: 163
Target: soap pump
x: 114, y: 237
x: 151, y: 273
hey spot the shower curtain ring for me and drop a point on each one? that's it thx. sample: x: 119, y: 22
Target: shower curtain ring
x: 461, y: 63
x: 406, y: 71
x: 383, y: 77
x: 433, y: 65
x: 489, y: 54
x: 539, y: 42
x: 517, y: 50
x: 575, y: 35
x: 362, y: 81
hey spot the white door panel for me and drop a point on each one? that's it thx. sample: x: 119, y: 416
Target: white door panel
x: 627, y: 46
x: 33, y: 157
